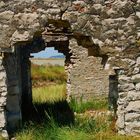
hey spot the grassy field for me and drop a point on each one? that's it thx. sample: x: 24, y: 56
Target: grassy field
x: 50, y: 94
x: 46, y: 75
x: 91, y: 120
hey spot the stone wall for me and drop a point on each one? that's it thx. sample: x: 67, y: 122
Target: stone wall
x: 3, y: 98
x: 107, y: 28
x: 87, y: 78
x: 129, y: 99
x: 10, y: 97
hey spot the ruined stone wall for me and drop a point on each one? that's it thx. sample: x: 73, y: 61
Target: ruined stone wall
x: 87, y: 78
x: 108, y: 27
x: 129, y: 99
x: 10, y: 93
x: 3, y: 97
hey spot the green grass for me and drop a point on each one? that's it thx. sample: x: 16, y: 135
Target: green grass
x: 50, y: 94
x: 86, y: 127
x: 83, y: 129
x: 48, y: 74
x: 94, y: 104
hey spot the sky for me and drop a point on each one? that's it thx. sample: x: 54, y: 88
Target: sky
x: 48, y: 52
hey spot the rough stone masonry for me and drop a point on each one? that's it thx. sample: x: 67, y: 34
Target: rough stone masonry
x: 102, y: 34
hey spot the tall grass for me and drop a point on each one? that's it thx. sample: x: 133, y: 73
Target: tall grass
x: 50, y: 94
x: 86, y: 127
x: 48, y: 74
x: 94, y: 104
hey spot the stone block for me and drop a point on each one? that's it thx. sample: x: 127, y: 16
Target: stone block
x: 2, y: 4
x: 3, y: 89
x: 133, y: 95
x: 136, y: 78
x: 120, y: 121
x: 138, y: 86
x: 3, y: 83
x: 121, y: 101
x: 138, y: 61
x: 4, y: 134
x: 132, y: 128
x: 126, y: 87
x: 2, y: 119
x: 124, y: 79
x: 2, y: 75
x: 3, y: 94
x: 133, y: 106
x: 136, y: 70
x: 131, y: 117
x: 2, y: 101
x: 122, y: 94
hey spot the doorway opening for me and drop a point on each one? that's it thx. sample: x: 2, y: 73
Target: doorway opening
x: 48, y: 76
x: 48, y: 80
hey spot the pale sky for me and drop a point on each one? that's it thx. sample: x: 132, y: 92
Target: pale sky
x: 48, y: 52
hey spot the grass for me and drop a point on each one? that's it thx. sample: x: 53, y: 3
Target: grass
x: 50, y: 94
x: 48, y: 74
x: 86, y: 126
x: 94, y: 104
x: 83, y: 129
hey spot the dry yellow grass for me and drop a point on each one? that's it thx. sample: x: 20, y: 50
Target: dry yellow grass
x: 50, y: 94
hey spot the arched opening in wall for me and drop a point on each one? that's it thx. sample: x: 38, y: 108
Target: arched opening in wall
x: 45, y: 86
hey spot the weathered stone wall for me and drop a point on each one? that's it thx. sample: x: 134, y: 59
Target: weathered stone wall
x: 3, y: 98
x: 10, y: 97
x: 109, y: 28
x: 87, y: 78
x: 129, y: 99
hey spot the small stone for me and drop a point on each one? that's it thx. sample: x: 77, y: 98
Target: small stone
x: 136, y: 70
x: 2, y: 119
x: 138, y: 87
x: 131, y: 117
x: 133, y: 106
x: 133, y: 96
x: 136, y: 78
x: 2, y: 4
x: 123, y: 94
x: 17, y: 36
x: 126, y: 87
x: 2, y: 75
x: 120, y: 121
x: 132, y: 128
x: 3, y: 101
x: 138, y: 61
x: 5, y: 135
x: 138, y: 14
x: 124, y: 79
